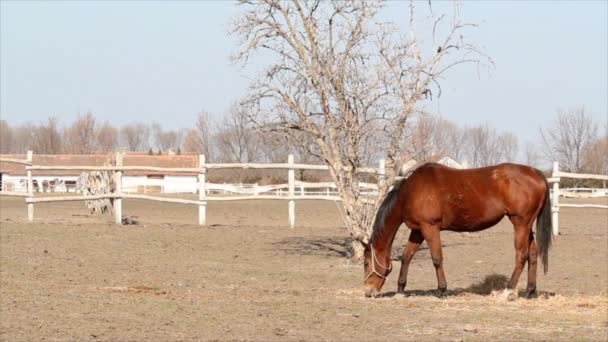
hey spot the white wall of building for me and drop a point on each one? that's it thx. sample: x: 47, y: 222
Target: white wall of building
x: 19, y: 183
x: 168, y: 184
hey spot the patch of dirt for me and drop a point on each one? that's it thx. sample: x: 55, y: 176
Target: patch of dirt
x: 247, y: 276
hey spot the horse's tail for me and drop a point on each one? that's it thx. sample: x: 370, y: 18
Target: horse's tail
x: 544, y: 227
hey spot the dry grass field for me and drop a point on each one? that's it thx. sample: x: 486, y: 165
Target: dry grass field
x: 71, y: 276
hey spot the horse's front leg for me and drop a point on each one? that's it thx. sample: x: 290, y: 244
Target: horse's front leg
x: 408, y: 253
x: 432, y: 236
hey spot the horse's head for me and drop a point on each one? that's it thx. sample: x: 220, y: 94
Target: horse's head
x: 377, y: 267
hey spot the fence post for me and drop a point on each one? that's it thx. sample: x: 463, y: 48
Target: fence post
x: 555, y: 202
x: 202, y: 191
x: 292, y: 205
x: 301, y: 189
x: 381, y: 174
x: 118, y: 190
x: 30, y: 188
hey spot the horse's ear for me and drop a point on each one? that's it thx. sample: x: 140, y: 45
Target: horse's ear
x: 365, y: 244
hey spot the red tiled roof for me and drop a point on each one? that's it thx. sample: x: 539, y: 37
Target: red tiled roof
x: 129, y: 159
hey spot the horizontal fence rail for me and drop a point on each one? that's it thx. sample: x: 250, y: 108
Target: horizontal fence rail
x: 195, y: 170
x: 562, y: 174
x: 285, y: 191
x: 15, y: 161
x: 13, y: 193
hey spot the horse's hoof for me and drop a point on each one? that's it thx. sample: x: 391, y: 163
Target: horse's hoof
x: 530, y: 294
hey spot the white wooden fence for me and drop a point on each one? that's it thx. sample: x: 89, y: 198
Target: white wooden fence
x: 260, y: 192
x: 118, y: 195
x: 555, y: 205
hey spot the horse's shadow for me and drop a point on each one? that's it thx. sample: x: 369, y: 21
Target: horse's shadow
x: 321, y: 246
x: 490, y: 283
x: 332, y: 247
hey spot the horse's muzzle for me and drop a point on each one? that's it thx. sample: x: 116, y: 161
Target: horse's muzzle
x: 371, y: 292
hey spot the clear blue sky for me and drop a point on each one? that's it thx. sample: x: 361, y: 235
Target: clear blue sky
x: 165, y: 61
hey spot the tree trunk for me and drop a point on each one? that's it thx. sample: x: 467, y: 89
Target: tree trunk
x: 356, y: 250
x: 97, y: 183
x: 358, y: 215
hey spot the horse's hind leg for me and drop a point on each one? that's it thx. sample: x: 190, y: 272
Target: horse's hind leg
x: 433, y: 239
x: 410, y: 249
x: 532, y: 261
x: 522, y: 235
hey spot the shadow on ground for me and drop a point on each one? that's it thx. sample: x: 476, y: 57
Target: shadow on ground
x: 335, y: 247
x: 490, y: 283
x: 320, y: 246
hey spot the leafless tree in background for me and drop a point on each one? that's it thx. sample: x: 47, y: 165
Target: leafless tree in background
x: 235, y: 139
x: 485, y: 146
x: 81, y: 136
x: 22, y: 138
x: 596, y: 155
x: 341, y: 77
x: 135, y: 136
x: 568, y: 137
x: 107, y: 138
x: 480, y: 150
x: 197, y: 139
x: 532, y: 156
x: 6, y: 137
x: 433, y: 136
x: 165, y: 139
x: 46, y: 138
x: 274, y: 147
x: 508, y: 146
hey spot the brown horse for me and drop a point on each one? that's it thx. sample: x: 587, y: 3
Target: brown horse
x: 435, y: 197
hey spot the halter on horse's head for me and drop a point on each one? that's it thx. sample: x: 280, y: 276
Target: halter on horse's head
x: 375, y: 271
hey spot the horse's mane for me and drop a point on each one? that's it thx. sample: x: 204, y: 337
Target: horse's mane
x: 391, y: 197
x: 385, y: 208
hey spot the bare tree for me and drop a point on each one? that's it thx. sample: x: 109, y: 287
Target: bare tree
x: 566, y: 139
x: 135, y: 136
x: 45, y: 138
x: 6, y: 137
x: 165, y: 139
x: 235, y: 139
x: 508, y: 146
x: 344, y: 79
x: 22, y: 136
x: 275, y: 147
x: 81, y: 136
x: 533, y: 156
x: 485, y: 146
x: 197, y: 139
x: 433, y: 136
x: 107, y: 137
x: 596, y: 156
